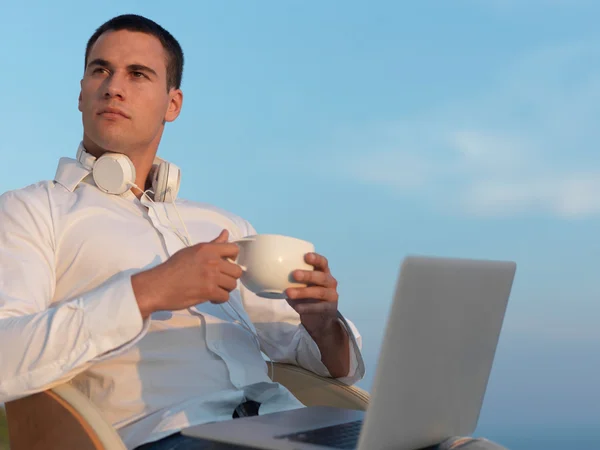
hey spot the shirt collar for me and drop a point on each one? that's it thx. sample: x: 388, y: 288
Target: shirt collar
x: 70, y: 172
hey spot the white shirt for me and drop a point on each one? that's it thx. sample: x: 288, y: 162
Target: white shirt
x: 68, y: 312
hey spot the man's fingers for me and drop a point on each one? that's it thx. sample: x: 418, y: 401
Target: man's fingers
x: 220, y: 245
x: 222, y: 238
x: 231, y: 269
x: 319, y: 308
x: 228, y: 250
x: 314, y: 277
x: 319, y: 262
x: 313, y: 293
x: 219, y: 295
x: 227, y: 282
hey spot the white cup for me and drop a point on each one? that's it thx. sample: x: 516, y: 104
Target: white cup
x: 268, y: 261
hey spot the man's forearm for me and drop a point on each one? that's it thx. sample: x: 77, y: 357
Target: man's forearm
x: 146, y: 291
x: 334, y: 345
x: 74, y: 333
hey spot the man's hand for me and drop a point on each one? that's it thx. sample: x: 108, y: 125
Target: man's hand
x: 317, y: 305
x: 193, y: 275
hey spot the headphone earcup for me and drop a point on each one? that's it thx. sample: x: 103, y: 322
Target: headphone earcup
x: 165, y: 182
x: 114, y: 173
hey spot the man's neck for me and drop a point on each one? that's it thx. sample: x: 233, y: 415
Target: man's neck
x: 142, y: 159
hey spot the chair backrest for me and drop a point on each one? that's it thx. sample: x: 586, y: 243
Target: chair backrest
x: 63, y: 418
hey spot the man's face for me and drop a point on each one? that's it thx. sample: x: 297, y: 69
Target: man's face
x: 124, y: 99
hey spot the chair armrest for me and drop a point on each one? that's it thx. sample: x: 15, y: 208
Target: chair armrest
x: 314, y: 390
x: 59, y: 418
x: 63, y: 418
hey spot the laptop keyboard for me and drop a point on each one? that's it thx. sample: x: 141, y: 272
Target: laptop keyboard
x: 343, y: 436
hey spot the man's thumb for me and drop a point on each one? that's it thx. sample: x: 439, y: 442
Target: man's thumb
x: 222, y: 238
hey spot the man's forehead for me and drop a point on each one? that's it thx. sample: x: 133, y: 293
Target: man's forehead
x: 123, y: 48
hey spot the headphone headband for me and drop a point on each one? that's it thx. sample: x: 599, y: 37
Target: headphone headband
x: 84, y: 158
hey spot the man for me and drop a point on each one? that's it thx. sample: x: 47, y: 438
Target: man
x: 103, y: 290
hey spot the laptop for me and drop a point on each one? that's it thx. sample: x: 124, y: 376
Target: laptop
x: 433, y: 369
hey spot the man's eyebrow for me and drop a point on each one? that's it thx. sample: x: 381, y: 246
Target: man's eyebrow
x: 132, y: 67
x: 99, y: 62
x: 141, y: 68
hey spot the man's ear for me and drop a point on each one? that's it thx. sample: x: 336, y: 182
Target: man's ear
x: 80, y: 96
x: 175, y: 104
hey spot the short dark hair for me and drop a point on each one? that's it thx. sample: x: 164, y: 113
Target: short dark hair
x: 134, y: 22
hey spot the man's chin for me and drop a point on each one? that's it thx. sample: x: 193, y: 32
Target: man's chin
x: 106, y: 142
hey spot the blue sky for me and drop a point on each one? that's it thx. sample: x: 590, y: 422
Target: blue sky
x: 375, y: 130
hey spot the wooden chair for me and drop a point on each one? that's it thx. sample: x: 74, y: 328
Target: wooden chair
x: 64, y: 419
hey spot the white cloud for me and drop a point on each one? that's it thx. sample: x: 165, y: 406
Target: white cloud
x: 531, y: 146
x: 552, y: 330
x: 400, y: 170
x: 572, y: 195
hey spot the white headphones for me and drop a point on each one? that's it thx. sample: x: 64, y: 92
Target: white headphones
x: 114, y: 173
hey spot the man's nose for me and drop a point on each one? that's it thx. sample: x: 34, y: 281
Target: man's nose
x: 114, y: 86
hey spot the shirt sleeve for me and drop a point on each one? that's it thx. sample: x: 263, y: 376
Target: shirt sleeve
x: 45, y: 344
x: 284, y: 339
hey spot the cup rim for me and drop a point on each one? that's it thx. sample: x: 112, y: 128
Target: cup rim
x: 278, y: 236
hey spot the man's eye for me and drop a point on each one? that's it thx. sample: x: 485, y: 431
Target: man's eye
x: 138, y: 74
x: 99, y: 70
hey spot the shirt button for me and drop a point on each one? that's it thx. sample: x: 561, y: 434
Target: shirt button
x: 216, y: 346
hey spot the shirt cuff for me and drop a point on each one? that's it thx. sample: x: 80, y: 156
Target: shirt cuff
x: 312, y: 360
x: 113, y: 319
